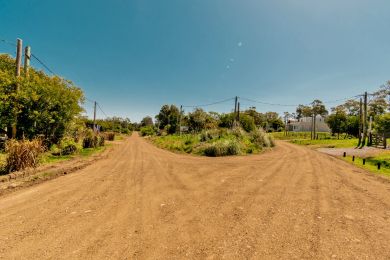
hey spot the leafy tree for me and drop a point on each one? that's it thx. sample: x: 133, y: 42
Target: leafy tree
x: 383, y: 123
x: 352, y: 107
x: 259, y: 118
x: 303, y: 111
x: 352, y: 125
x: 40, y: 104
x: 199, y: 120
x: 147, y: 121
x: 337, y: 121
x: 274, y: 122
x: 168, y: 115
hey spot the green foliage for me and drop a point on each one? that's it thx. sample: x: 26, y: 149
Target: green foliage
x: 247, y: 122
x: 337, y: 121
x: 147, y: 121
x: 41, y: 104
x: 260, y: 139
x: 68, y: 146
x: 91, y: 140
x: 114, y: 124
x: 222, y: 148
x: 199, y: 120
x: 216, y: 142
x: 147, y: 131
x: 383, y: 123
x: 169, y: 115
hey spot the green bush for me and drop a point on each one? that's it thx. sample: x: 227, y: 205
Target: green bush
x: 91, y: 140
x: 147, y: 131
x: 247, y: 123
x: 230, y: 147
x: 68, y: 146
x: 261, y: 139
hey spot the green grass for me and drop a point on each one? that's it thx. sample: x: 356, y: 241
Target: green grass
x: 372, y: 163
x: 298, y: 135
x: 49, y: 158
x: 327, y: 143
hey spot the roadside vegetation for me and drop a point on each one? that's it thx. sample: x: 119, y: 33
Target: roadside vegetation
x: 210, y: 133
x: 43, y: 115
x: 217, y: 142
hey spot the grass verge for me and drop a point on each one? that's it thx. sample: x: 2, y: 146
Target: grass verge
x: 327, y: 143
x: 372, y: 163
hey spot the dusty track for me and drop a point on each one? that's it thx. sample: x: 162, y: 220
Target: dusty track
x: 145, y: 203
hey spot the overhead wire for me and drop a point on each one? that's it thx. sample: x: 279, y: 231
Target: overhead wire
x: 210, y: 104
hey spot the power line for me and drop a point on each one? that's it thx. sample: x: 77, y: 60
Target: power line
x: 8, y: 42
x: 267, y: 103
x: 101, y: 109
x: 43, y: 64
x: 210, y: 104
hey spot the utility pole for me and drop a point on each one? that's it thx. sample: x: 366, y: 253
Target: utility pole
x: 181, y: 109
x: 364, y: 120
x: 27, y: 57
x: 238, y: 112
x: 370, y: 132
x: 360, y: 122
x: 94, y: 117
x: 235, y: 105
x: 311, y: 128
x: 17, y: 74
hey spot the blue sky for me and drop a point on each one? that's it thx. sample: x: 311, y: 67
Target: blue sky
x: 134, y: 56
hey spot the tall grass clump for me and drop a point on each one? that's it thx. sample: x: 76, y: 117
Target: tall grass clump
x: 261, y: 139
x: 224, y: 148
x: 92, y: 140
x: 22, y: 154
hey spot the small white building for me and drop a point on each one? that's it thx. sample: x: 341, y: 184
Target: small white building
x: 305, y: 124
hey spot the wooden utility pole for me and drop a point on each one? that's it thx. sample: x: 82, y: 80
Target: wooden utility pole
x: 238, y: 112
x: 235, y: 104
x: 314, y: 126
x: 364, y: 121
x: 311, y: 128
x: 27, y: 57
x: 17, y: 74
x: 360, y: 122
x: 94, y: 117
x: 181, y: 109
x: 18, y: 56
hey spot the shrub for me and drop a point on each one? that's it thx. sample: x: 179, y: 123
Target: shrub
x: 110, y: 136
x: 261, y: 139
x: 101, y: 140
x: 225, y: 148
x: 147, y: 130
x: 68, y: 147
x: 90, y: 140
x: 247, y: 122
x: 22, y: 154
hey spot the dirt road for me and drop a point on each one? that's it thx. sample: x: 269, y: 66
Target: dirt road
x: 145, y: 203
